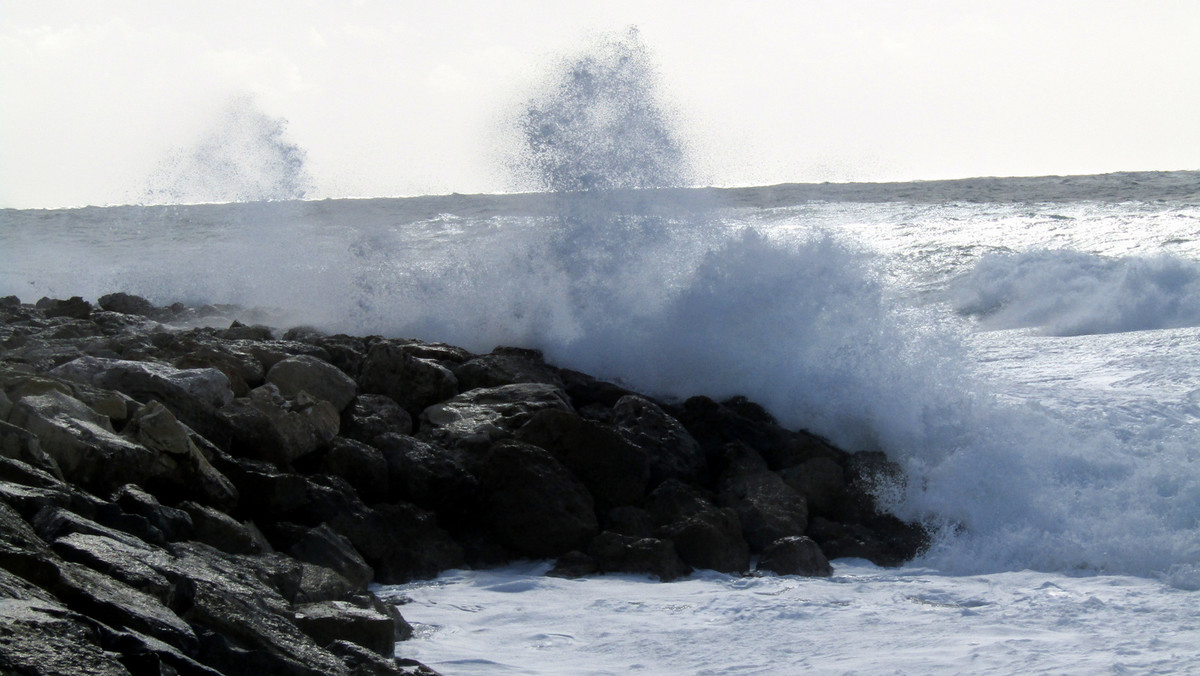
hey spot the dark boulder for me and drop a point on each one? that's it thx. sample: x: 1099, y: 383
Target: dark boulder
x: 614, y: 470
x: 430, y: 477
x: 671, y: 450
x: 705, y: 535
x: 615, y: 553
x: 505, y: 366
x: 533, y: 505
x: 393, y: 369
x: 795, y: 555
x: 475, y: 420
x: 370, y: 416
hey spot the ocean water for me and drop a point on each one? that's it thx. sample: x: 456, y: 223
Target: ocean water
x: 1028, y: 349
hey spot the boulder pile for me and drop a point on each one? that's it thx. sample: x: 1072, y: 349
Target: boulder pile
x: 217, y: 500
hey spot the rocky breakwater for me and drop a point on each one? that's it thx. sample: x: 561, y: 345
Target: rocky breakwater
x: 217, y: 500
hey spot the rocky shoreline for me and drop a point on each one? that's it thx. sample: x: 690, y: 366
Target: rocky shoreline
x: 218, y: 500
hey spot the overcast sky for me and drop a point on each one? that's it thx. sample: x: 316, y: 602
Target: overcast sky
x: 403, y: 98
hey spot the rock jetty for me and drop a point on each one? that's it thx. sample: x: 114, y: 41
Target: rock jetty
x: 218, y: 500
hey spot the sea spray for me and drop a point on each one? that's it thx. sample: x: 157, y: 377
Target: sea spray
x: 242, y: 156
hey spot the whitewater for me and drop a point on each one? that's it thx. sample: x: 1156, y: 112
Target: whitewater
x: 1027, y: 349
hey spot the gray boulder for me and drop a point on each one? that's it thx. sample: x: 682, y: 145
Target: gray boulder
x: 475, y: 420
x: 305, y: 373
x: 795, y: 555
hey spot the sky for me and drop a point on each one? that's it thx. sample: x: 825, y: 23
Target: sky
x: 404, y: 98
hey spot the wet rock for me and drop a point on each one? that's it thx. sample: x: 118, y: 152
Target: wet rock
x: 267, y: 426
x: 704, y: 535
x: 505, y: 366
x: 820, y: 480
x: 217, y: 529
x: 128, y: 304
x: 795, y: 555
x: 362, y: 466
x: 767, y: 508
x: 401, y: 542
x: 430, y: 477
x: 614, y: 470
x: 476, y: 419
x: 305, y: 373
x: 391, y: 368
x: 331, y: 621
x: 74, y: 307
x: 175, y: 524
x: 671, y: 450
x: 615, y: 553
x: 533, y: 504
x: 19, y: 443
x: 324, y: 547
x: 43, y: 637
x: 370, y: 416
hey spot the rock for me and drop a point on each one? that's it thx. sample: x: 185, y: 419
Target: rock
x: 362, y: 466
x: 430, y: 477
x: 413, y: 382
x: 192, y: 395
x: 82, y: 442
x: 370, y: 416
x: 614, y: 470
x: 21, y: 444
x: 704, y: 535
x: 175, y: 524
x: 795, y: 555
x: 243, y: 369
x: 505, y: 366
x: 363, y: 662
x: 474, y: 420
x: 217, y: 529
x: 767, y: 508
x: 533, y: 504
x: 44, y: 637
x: 74, y: 307
x: 331, y: 621
x: 267, y: 426
x: 246, y: 624
x: 401, y: 542
x: 820, y: 480
x: 128, y: 304
x: 574, y: 564
x: 614, y: 553
x: 671, y: 450
x: 323, y: 547
x: 627, y: 520
x: 322, y: 380
x: 180, y: 469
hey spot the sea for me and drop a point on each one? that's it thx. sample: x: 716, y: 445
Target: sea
x: 1027, y: 349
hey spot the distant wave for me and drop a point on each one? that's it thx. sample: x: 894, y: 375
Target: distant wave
x: 1071, y: 293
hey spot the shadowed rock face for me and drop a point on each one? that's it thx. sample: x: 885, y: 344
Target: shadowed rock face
x: 216, y: 501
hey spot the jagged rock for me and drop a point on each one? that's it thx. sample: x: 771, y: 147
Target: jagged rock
x: 767, y: 508
x: 330, y: 621
x: 370, y: 416
x: 193, y: 395
x: 305, y: 373
x: 429, y: 477
x: 401, y: 542
x: 243, y: 369
x: 82, y: 442
x: 574, y: 564
x: 324, y: 547
x: 505, y: 366
x: 43, y: 637
x: 175, y: 524
x: 671, y: 450
x: 795, y: 555
x: 362, y: 466
x: 475, y: 420
x: 269, y: 427
x: 217, y: 529
x: 180, y: 469
x: 704, y: 535
x: 391, y: 368
x: 246, y: 624
x: 586, y: 391
x: 19, y: 443
x: 533, y: 504
x: 614, y: 470
x: 884, y: 540
x: 614, y: 553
